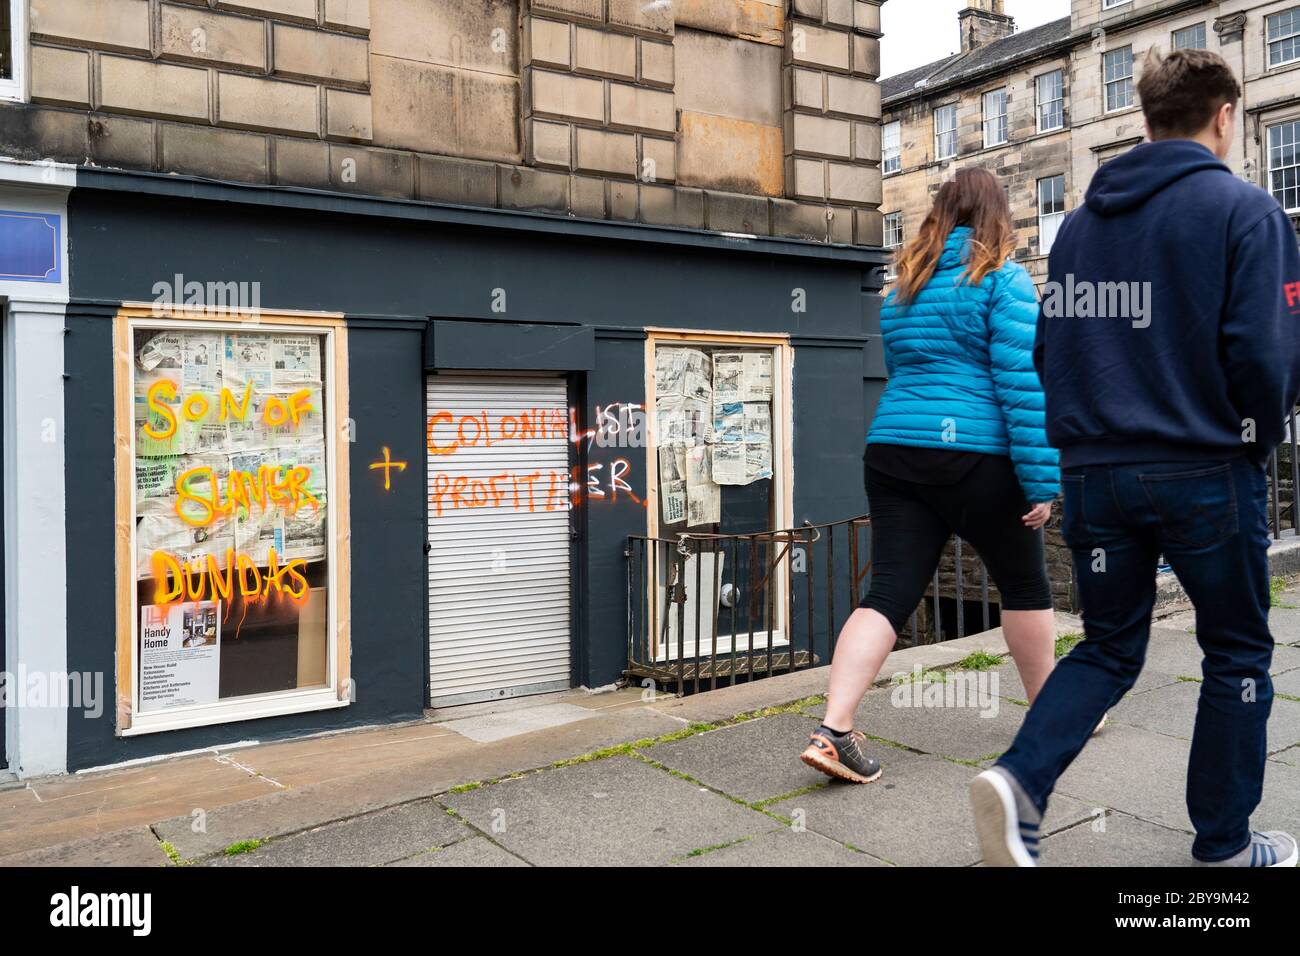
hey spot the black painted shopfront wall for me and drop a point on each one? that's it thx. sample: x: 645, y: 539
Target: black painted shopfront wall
x: 390, y: 268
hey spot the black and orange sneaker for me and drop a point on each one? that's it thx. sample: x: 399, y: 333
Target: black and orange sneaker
x: 841, y: 756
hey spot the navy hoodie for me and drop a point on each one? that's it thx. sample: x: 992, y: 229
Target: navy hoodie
x: 1208, y: 341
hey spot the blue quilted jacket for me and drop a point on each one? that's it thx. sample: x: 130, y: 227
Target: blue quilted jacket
x: 961, y: 370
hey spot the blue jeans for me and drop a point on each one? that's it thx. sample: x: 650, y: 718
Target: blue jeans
x: 1209, y: 519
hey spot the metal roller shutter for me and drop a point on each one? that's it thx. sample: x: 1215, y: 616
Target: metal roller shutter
x: 499, y: 573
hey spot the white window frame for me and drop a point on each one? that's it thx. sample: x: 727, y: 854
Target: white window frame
x: 999, y: 123
x: 1270, y: 41
x: 1112, y: 4
x: 1040, y: 102
x: 1272, y: 169
x: 1049, y: 224
x: 1108, y: 83
x: 335, y: 693
x: 898, y: 218
x: 15, y: 87
x: 891, y: 156
x: 939, y: 135
x: 1204, y: 37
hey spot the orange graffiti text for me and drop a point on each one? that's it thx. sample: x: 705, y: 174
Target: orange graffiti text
x: 193, y: 581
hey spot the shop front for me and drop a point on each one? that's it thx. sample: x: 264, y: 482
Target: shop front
x: 334, y: 461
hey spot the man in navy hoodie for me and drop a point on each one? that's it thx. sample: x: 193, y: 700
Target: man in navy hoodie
x: 1169, y: 349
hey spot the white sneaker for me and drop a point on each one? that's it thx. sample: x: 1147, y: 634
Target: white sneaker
x: 1005, y: 819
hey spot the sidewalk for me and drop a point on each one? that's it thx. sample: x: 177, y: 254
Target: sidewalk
x: 612, y: 779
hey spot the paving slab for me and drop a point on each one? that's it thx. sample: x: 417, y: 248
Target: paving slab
x: 375, y: 838
x: 1117, y: 839
x: 1286, y: 659
x: 917, y: 814
x: 489, y: 727
x: 783, y: 847
x: 475, y: 852
x: 1287, y: 683
x: 903, y: 714
x: 296, y: 809
x: 1103, y: 775
x: 1284, y: 622
x: 134, y: 846
x: 1173, y: 651
x: 63, y: 809
x: 727, y: 702
x: 1172, y: 710
x: 1284, y: 625
x: 1011, y: 687
x: 753, y: 761
x: 618, y: 811
x: 299, y: 763
x: 1291, y: 756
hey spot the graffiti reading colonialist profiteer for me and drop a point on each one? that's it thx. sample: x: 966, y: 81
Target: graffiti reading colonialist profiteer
x: 448, y: 434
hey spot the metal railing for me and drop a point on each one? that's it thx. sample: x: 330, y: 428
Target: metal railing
x: 1283, y: 483
x: 706, y: 610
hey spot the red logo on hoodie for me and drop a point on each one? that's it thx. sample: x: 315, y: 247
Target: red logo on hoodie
x: 1292, y: 290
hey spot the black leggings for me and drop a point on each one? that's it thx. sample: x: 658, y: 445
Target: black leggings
x: 911, y: 524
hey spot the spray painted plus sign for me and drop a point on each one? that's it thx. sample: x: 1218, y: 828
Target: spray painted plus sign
x: 387, y: 466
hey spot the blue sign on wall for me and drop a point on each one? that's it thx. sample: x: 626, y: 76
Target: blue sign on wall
x: 30, y: 247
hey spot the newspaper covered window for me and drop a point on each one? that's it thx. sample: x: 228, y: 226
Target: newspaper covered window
x: 232, y: 556
x: 713, y: 415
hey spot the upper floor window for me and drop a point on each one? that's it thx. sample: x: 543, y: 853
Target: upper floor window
x: 13, y: 48
x: 891, y: 148
x: 1051, y: 101
x: 1189, y: 38
x: 1117, y: 73
x: 945, y: 132
x: 995, y: 118
x: 893, y: 230
x: 1283, y: 33
x: 1051, y: 211
x: 1108, y: 4
x: 1284, y: 164
x: 893, y: 240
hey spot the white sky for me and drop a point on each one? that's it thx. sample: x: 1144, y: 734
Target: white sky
x: 922, y: 31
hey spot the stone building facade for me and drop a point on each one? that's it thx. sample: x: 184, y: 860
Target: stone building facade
x: 1046, y: 107
x: 749, y: 117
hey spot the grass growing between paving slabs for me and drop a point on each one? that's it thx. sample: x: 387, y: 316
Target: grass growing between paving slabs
x: 174, y: 855
x: 631, y: 749
x: 979, y: 661
x: 242, y: 847
x: 1066, y: 643
x: 705, y: 850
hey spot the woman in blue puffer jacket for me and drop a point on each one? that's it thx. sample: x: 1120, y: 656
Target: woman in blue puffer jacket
x: 957, y: 447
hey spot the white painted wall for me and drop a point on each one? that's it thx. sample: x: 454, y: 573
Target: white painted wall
x: 34, y: 452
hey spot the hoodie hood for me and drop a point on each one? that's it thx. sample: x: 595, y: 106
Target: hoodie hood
x: 1132, y: 179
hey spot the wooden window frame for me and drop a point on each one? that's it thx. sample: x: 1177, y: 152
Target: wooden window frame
x: 337, y: 692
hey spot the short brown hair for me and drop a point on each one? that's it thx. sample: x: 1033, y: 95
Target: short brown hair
x: 1181, y: 92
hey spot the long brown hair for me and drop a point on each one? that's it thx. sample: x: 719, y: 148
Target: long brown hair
x: 973, y: 197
